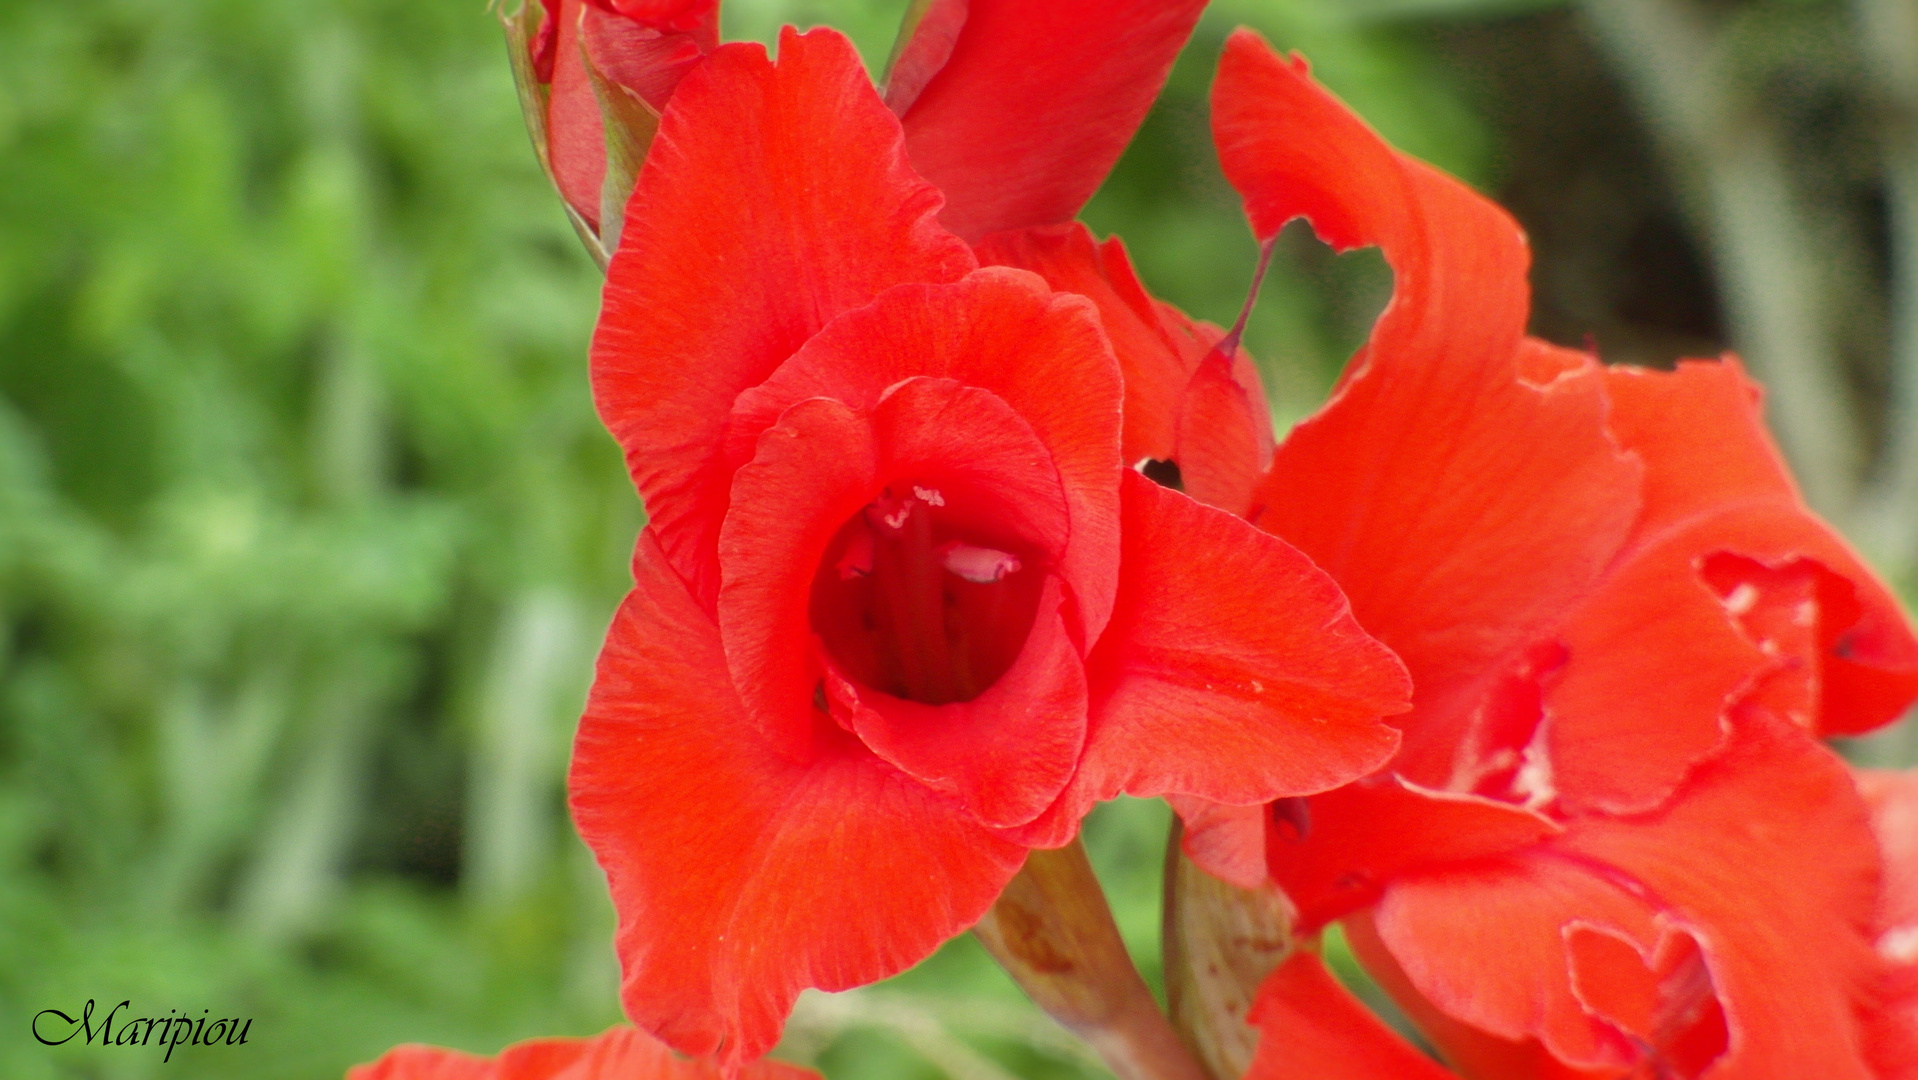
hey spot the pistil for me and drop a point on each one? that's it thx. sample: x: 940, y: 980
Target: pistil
x: 910, y: 598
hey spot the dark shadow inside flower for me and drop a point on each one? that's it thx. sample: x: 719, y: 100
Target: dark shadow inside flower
x: 921, y: 599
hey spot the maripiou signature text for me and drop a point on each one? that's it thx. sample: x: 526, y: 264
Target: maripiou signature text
x: 55, y: 1028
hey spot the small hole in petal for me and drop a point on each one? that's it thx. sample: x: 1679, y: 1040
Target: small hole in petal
x: 1163, y: 473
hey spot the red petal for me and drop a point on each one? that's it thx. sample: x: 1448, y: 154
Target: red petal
x: 545, y: 43
x: 1003, y: 331
x: 1460, y: 486
x: 575, y: 142
x: 740, y: 875
x: 415, y: 1062
x: 1226, y: 841
x: 1471, y: 1051
x: 637, y: 57
x: 1486, y: 942
x: 1153, y: 368
x: 1892, y: 1024
x: 1231, y: 670
x: 816, y: 469
x: 1035, y: 103
x: 1729, y: 592
x: 1462, y: 516
x: 1005, y: 754
x: 1364, y: 836
x: 1893, y: 798
x: 1707, y: 453
x: 622, y: 1053
x: 742, y: 240
x: 1291, y: 149
x: 1311, y: 1026
x: 1659, y: 995
x: 1225, y: 438
x: 1485, y: 945
x: 926, y: 40
x: 681, y: 15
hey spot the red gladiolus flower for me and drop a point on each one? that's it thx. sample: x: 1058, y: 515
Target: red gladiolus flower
x: 618, y: 1054
x: 1016, y: 111
x: 901, y: 612
x: 1724, y: 931
x: 1624, y: 628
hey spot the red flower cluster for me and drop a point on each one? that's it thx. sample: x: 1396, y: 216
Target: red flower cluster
x: 908, y: 604
x: 1610, y: 844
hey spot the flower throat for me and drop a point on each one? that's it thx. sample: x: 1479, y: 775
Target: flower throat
x: 907, y: 603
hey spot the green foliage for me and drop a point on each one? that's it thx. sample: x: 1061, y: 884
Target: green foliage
x: 304, y: 512
x: 308, y: 529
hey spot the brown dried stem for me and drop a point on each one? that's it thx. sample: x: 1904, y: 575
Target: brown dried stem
x: 1221, y: 942
x: 1053, y: 933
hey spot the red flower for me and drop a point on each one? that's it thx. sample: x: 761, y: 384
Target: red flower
x: 1016, y: 111
x: 618, y: 1054
x: 1727, y: 929
x: 901, y: 612
x: 1623, y: 627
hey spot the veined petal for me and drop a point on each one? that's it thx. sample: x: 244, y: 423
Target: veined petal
x: 1232, y: 669
x: 1035, y: 102
x: 1892, y: 1019
x: 416, y: 1062
x: 1293, y: 150
x: 1471, y: 1051
x: 1226, y: 841
x: 621, y: 1053
x: 1005, y: 755
x: 926, y: 38
x: 638, y: 57
x: 816, y: 470
x: 1003, y: 331
x: 1154, y: 371
x: 1729, y: 594
x: 836, y: 869
x: 742, y: 240
x: 1224, y: 437
x: 1707, y: 452
x: 1487, y: 943
x: 576, y: 143
x: 1463, y: 516
x: 683, y: 16
x: 1363, y: 836
x: 1311, y: 1026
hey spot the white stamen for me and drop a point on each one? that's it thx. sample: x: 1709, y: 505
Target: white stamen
x: 1742, y: 599
x: 1536, y: 779
x: 929, y: 496
x: 1899, y: 944
x: 979, y: 565
x: 897, y: 519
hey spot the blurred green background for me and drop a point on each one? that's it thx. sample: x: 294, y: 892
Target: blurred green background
x: 308, y: 531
